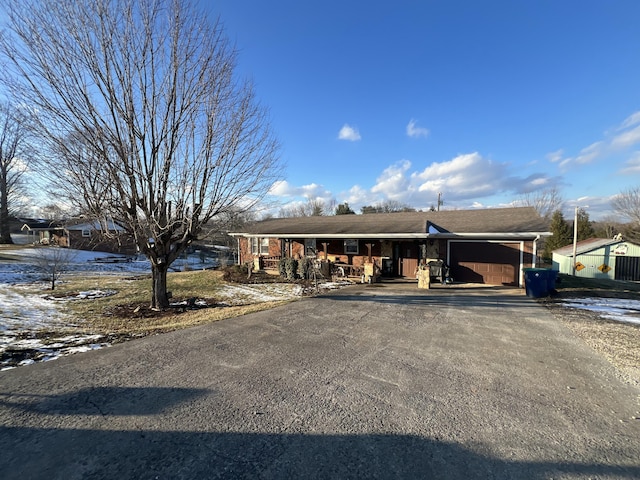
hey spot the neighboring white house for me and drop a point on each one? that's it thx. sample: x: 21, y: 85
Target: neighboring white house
x: 614, y: 259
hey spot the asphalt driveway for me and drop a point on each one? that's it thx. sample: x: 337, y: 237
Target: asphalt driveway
x: 381, y: 381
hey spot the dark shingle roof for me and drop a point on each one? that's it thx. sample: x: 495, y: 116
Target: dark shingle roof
x: 495, y: 221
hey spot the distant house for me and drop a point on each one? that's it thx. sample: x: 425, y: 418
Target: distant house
x: 45, y: 232
x: 614, y: 259
x: 82, y: 236
x: 90, y: 236
x: 490, y: 246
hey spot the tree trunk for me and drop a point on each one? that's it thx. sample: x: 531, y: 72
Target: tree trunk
x: 5, y: 234
x: 159, y: 298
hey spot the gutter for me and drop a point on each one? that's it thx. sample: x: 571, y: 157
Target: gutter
x: 391, y: 236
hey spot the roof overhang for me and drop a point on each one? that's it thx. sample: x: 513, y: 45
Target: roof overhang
x: 493, y: 235
x: 397, y: 236
x: 334, y: 236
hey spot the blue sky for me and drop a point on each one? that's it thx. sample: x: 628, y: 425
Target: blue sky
x: 482, y: 101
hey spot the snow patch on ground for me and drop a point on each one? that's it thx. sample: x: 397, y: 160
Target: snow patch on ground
x: 88, y: 295
x: 248, y: 294
x: 35, y: 327
x: 23, y: 311
x: 617, y: 309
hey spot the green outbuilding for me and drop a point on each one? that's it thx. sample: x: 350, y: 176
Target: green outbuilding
x: 614, y: 259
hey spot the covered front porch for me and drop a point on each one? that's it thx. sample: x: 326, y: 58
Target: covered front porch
x: 354, y: 258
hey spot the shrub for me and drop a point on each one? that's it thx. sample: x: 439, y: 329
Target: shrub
x: 282, y: 267
x: 291, y: 268
x: 306, y: 264
x: 235, y: 273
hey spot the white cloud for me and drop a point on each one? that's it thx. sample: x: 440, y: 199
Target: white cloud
x: 282, y: 188
x: 555, y: 157
x: 464, y: 181
x: 631, y: 120
x: 453, y: 167
x: 357, y: 197
x: 565, y: 163
x: 466, y: 176
x: 596, y: 207
x: 632, y: 166
x: 393, y: 181
x: 539, y: 182
x: 627, y: 139
x: 590, y: 153
x: 620, y: 139
x: 347, y: 132
x: 416, y: 132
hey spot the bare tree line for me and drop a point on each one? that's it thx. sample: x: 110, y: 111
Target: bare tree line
x: 15, y: 156
x: 142, y: 115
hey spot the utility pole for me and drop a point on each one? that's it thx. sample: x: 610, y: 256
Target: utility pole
x: 575, y: 239
x: 440, y: 202
x: 575, y: 236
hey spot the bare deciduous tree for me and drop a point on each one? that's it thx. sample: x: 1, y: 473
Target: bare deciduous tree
x: 388, y: 206
x: 607, y: 227
x: 15, y: 154
x: 140, y: 103
x: 314, y: 207
x: 546, y: 201
x: 627, y: 204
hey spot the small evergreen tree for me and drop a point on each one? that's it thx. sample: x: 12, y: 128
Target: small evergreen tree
x: 561, y: 237
x: 344, y: 209
x: 304, y: 266
x: 282, y: 267
x: 585, y: 229
x: 291, y: 268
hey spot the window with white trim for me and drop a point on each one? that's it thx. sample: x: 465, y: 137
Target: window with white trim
x: 86, y: 233
x: 351, y: 247
x: 260, y: 246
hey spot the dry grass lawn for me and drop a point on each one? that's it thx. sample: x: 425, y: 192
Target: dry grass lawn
x: 126, y: 313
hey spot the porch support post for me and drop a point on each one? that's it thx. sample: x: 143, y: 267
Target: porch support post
x: 369, y: 248
x: 324, y: 246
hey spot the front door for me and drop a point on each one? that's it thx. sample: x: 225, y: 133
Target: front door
x: 406, y: 256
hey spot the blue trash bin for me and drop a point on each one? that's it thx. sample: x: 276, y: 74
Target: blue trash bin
x: 536, y: 282
x: 552, y: 275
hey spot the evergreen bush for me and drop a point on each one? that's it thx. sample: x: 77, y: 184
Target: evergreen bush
x: 282, y: 267
x: 291, y: 268
x: 306, y: 264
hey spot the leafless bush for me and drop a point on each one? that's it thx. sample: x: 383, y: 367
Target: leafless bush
x: 53, y: 262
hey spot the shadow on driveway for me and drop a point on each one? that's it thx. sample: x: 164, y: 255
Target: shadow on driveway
x: 69, y: 453
x: 409, y: 294
x: 190, y: 455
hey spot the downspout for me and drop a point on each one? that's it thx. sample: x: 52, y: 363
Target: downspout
x: 533, y: 260
x: 239, y: 252
x: 535, y: 251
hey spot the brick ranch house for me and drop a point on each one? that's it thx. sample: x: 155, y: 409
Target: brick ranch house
x: 490, y: 246
x: 82, y: 236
